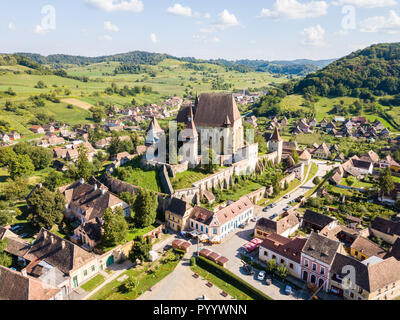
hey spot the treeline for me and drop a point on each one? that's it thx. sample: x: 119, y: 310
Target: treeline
x: 298, y: 67
x: 366, y: 73
x: 130, y: 69
x: 127, y: 91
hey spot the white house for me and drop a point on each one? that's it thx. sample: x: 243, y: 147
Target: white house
x: 285, y: 251
x: 218, y: 225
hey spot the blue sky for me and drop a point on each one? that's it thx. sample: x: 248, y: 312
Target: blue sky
x: 231, y: 29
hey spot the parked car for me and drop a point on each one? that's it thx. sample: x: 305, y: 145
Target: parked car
x: 268, y: 280
x: 203, y: 297
x: 286, y: 196
x: 248, y: 269
x: 242, y: 226
x: 254, y: 219
x: 261, y: 275
x: 287, y: 208
x: 273, y: 205
x: 288, y: 290
x: 265, y: 209
x: 273, y: 216
x: 16, y: 227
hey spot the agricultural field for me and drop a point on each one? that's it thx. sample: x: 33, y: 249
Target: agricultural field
x: 169, y: 77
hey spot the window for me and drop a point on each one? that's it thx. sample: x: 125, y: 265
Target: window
x: 191, y: 224
x: 85, y: 273
x: 215, y: 231
x: 314, y: 266
x: 282, y: 261
x: 273, y: 257
x: 360, y: 290
x: 266, y: 253
x: 291, y: 266
x: 322, y: 270
x: 93, y: 268
x: 306, y: 262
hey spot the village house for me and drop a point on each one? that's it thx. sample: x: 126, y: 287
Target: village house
x: 4, y: 137
x: 317, y: 221
x: 37, y: 129
x: 217, y: 226
x: 48, y: 128
x: 18, y: 286
x: 285, y: 226
x: 387, y: 230
x: 122, y: 158
x: 14, y: 135
x: 389, y: 162
x: 284, y: 251
x: 103, y: 143
x: 177, y: 214
x: 317, y: 257
x: 87, y: 203
x: 322, y: 152
x: 362, y: 249
x: 375, y: 278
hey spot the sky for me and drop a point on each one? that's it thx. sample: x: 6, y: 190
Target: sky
x: 229, y: 29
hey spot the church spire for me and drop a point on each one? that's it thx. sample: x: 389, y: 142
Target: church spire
x: 276, y: 136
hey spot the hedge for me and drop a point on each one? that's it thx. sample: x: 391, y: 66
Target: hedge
x: 231, y: 278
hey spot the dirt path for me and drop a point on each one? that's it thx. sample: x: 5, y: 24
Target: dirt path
x: 78, y: 103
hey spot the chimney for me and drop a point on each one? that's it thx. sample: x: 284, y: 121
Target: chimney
x: 95, y: 187
x: 24, y: 273
x: 63, y: 244
x: 45, y: 235
x: 82, y: 181
x: 52, y: 239
x: 103, y: 191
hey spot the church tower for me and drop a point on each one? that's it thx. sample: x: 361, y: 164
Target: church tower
x: 190, y: 137
x: 276, y: 144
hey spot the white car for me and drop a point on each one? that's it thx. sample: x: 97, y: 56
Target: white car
x: 261, y: 275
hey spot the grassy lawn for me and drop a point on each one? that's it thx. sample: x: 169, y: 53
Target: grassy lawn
x: 396, y: 179
x: 133, y: 233
x: 294, y: 184
x: 138, y: 177
x: 147, y: 275
x: 185, y: 179
x: 93, y: 283
x: 313, y: 171
x: 221, y: 284
x: 357, y: 184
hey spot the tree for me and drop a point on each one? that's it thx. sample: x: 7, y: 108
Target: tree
x: 54, y: 180
x: 115, y: 226
x: 6, y: 216
x: 97, y: 114
x: 262, y: 144
x: 141, y: 249
x: 21, y: 166
x: 41, y: 157
x: 6, y: 154
x: 129, y: 285
x: 16, y: 189
x: 271, y: 266
x: 5, y: 258
x: 47, y: 208
x: 385, y: 182
x: 83, y: 168
x: 286, y: 186
x: 145, y: 208
x: 350, y: 180
x: 317, y: 181
x: 283, y: 272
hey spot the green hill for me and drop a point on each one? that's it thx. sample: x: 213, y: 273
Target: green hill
x: 373, y: 71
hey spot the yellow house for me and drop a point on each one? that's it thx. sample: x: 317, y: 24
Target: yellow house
x: 177, y: 215
x: 372, y: 279
x: 362, y: 249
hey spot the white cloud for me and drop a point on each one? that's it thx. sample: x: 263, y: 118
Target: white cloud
x: 367, y: 3
x: 314, y: 36
x: 153, y: 38
x: 225, y: 20
x: 292, y: 9
x: 180, y: 10
x: 342, y: 32
x: 40, y: 30
x: 110, y: 27
x: 11, y: 26
x: 117, y: 5
x: 389, y: 24
x: 106, y: 38
x: 207, y: 15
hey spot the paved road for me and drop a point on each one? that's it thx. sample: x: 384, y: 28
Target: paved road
x: 323, y: 169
